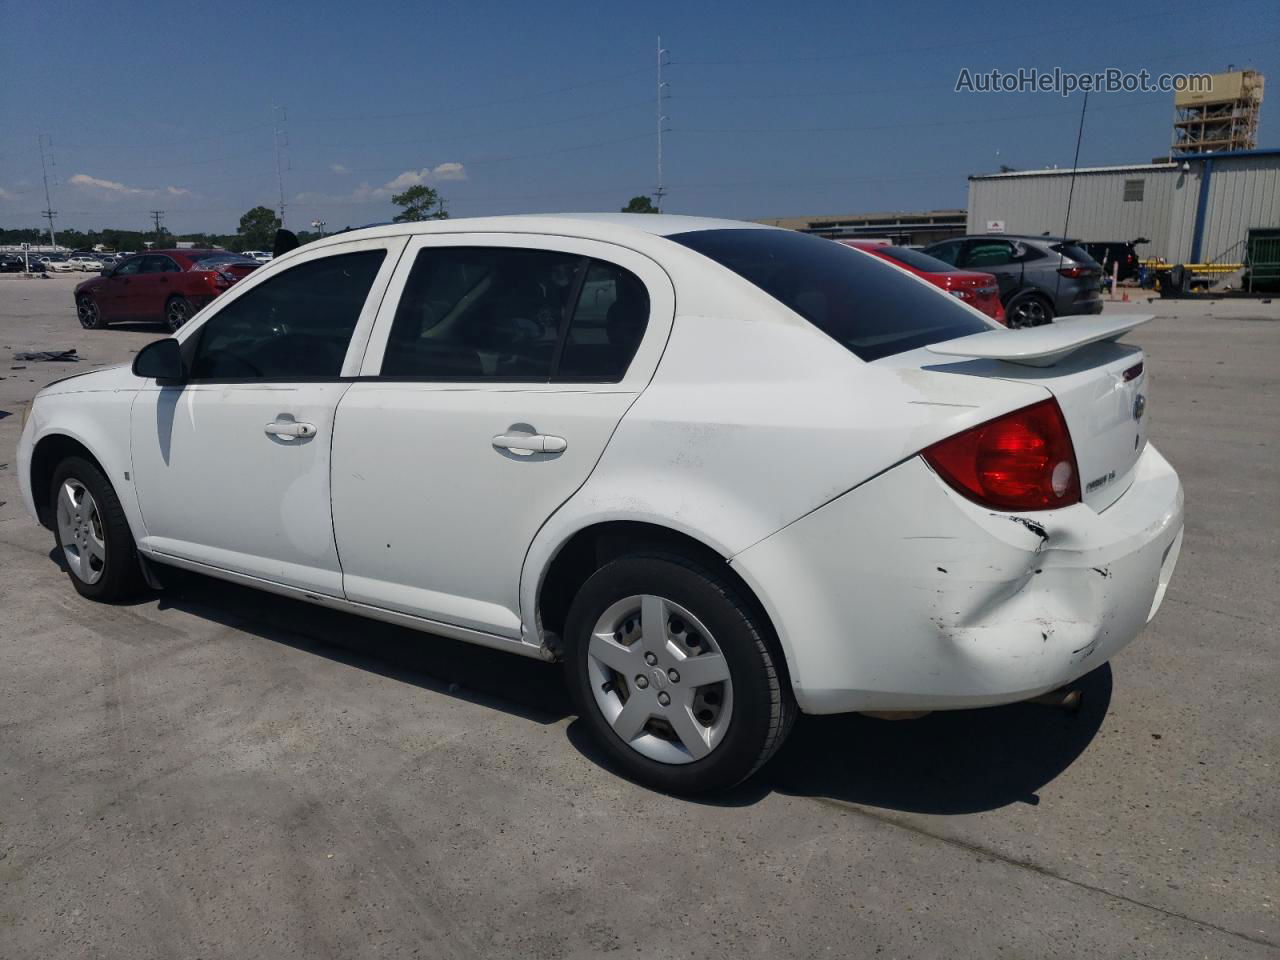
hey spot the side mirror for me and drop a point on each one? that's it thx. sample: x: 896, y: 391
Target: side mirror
x: 161, y: 360
x: 107, y: 271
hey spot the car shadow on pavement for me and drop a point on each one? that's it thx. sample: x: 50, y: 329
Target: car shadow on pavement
x: 517, y: 685
x: 950, y: 762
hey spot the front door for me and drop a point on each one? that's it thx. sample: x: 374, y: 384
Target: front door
x: 112, y: 296
x: 498, y: 369
x: 232, y: 467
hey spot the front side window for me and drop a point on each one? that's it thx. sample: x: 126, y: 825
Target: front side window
x: 863, y: 304
x: 129, y: 267
x: 516, y: 315
x: 948, y: 252
x: 296, y: 325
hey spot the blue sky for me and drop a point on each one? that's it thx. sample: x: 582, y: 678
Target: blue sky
x: 775, y: 109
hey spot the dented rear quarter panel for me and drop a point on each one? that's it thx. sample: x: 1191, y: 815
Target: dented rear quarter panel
x: 903, y: 595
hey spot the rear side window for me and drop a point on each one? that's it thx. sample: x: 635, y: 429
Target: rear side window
x: 608, y: 323
x: 515, y: 315
x: 297, y: 325
x: 1074, y: 252
x: 868, y: 307
x: 983, y: 253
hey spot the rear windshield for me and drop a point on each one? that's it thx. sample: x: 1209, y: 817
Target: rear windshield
x: 914, y: 258
x: 868, y: 307
x: 211, y: 261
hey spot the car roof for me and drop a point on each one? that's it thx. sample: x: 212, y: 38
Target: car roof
x: 603, y: 226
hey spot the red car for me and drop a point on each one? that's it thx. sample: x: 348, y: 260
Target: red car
x: 165, y: 286
x: 979, y: 290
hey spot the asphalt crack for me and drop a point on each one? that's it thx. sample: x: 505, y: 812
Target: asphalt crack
x: 978, y: 850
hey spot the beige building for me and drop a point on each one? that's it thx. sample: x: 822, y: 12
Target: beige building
x: 916, y: 229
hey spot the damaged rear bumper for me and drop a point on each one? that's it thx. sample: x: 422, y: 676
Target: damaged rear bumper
x: 902, y: 595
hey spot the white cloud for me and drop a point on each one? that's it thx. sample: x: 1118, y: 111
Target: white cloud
x: 450, y: 171
x: 116, y: 188
x: 338, y: 168
x: 367, y: 192
x: 5, y: 194
x: 413, y: 178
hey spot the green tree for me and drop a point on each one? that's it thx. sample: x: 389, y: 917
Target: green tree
x: 258, y: 229
x: 640, y: 204
x: 420, y: 203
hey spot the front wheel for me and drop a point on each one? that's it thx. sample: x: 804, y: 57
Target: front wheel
x: 669, y: 666
x: 177, y: 312
x: 88, y: 312
x: 93, y: 535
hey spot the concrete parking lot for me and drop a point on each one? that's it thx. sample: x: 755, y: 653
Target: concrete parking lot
x: 212, y: 772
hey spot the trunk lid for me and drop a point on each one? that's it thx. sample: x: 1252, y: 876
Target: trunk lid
x: 1099, y: 384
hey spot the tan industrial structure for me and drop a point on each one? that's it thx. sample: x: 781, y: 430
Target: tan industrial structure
x: 1220, y: 119
x: 919, y: 229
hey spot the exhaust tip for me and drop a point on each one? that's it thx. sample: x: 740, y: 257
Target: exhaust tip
x: 1062, y: 698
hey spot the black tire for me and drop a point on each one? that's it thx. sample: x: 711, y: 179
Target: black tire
x: 177, y: 311
x: 1029, y: 310
x: 121, y: 573
x: 763, y: 708
x: 89, y: 314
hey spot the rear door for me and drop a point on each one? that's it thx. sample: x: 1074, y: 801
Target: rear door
x: 996, y: 257
x: 498, y: 369
x: 231, y: 468
x: 152, y: 287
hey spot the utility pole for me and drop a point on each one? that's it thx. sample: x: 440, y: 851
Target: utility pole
x: 660, y: 191
x: 278, y: 117
x: 158, y: 217
x: 318, y: 226
x: 48, y: 213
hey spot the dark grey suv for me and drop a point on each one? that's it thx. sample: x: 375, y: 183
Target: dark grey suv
x: 1039, y: 277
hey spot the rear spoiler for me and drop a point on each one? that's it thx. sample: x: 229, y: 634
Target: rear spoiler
x: 1040, y: 346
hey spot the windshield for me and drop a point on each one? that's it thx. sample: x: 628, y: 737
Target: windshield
x: 870, y: 309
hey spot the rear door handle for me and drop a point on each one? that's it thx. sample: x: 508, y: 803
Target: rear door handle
x: 526, y: 443
x: 290, y: 429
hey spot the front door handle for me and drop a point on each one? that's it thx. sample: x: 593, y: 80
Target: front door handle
x: 524, y: 444
x: 290, y: 429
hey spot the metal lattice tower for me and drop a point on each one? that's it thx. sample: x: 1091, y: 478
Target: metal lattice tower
x: 1222, y: 118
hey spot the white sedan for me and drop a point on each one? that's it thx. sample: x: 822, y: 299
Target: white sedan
x: 262, y: 256
x: 724, y: 472
x: 85, y: 263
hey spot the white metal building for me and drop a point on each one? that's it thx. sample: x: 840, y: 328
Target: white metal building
x: 1199, y: 209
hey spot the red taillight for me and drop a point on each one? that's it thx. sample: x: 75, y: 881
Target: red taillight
x: 1021, y: 461
x: 1075, y: 273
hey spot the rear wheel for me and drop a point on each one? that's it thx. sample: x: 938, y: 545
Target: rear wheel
x: 1029, y: 310
x: 177, y: 312
x: 669, y: 666
x: 93, y: 535
x: 88, y: 312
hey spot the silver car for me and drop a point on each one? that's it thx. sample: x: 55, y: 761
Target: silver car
x: 1040, y: 277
